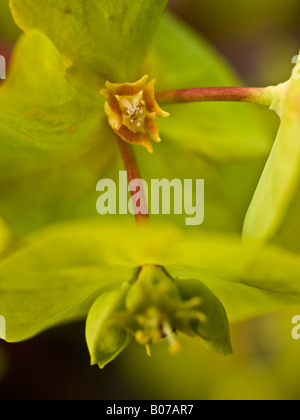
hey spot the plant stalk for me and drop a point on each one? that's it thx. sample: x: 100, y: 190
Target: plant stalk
x: 260, y: 96
x: 133, y: 173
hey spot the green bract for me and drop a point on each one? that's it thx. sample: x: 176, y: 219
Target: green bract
x: 105, y: 338
x: 280, y: 179
x: 99, y: 40
x: 214, y: 330
x: 39, y: 127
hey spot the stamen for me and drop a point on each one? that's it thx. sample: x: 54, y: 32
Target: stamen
x: 141, y: 337
x: 175, y: 346
x: 148, y: 349
x: 133, y: 111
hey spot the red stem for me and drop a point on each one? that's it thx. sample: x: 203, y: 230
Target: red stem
x: 133, y: 173
x: 262, y: 96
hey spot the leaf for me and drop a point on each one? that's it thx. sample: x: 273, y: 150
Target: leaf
x: 54, y: 278
x: 106, y: 342
x: 280, y: 178
x: 98, y: 38
x: 44, y: 116
x: 54, y: 140
x: 220, y: 131
x: 228, y: 187
x: 215, y: 329
x: 56, y: 275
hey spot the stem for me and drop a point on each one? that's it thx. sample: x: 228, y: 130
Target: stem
x: 133, y: 173
x: 261, y: 96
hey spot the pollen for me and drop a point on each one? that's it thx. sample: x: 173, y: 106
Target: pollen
x: 132, y: 111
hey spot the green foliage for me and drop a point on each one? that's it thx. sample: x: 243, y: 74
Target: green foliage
x: 105, y: 340
x: 38, y: 125
x: 215, y: 329
x: 221, y: 132
x: 98, y: 39
x: 54, y: 278
x: 58, y: 273
x: 280, y: 178
x: 55, y: 145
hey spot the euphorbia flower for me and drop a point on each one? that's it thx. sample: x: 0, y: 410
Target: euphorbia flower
x: 151, y: 307
x: 132, y: 110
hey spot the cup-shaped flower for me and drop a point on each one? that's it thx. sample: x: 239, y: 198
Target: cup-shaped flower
x: 152, y: 307
x: 132, y: 111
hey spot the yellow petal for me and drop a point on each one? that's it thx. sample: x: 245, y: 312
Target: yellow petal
x: 151, y: 104
x: 140, y: 139
x: 151, y: 127
x: 127, y: 89
x: 115, y: 115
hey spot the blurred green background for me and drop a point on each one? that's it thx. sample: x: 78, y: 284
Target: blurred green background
x: 259, y: 39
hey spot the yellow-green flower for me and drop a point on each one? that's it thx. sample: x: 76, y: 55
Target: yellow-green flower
x: 151, y: 307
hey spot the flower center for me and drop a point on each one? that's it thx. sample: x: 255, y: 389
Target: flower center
x: 134, y: 111
x: 155, y: 326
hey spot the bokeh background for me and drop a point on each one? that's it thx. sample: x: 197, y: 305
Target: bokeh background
x: 259, y: 39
